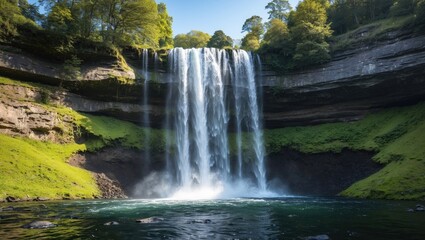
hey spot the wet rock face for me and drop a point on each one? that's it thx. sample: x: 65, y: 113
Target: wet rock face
x: 322, y: 174
x: 118, y: 170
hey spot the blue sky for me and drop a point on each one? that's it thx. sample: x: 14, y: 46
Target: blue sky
x: 211, y: 15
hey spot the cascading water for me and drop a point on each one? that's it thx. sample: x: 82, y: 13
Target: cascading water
x: 146, y: 120
x: 198, y: 123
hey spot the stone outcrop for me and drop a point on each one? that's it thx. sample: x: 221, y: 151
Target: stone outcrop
x: 28, y: 66
x: 354, y: 83
x: 20, y: 116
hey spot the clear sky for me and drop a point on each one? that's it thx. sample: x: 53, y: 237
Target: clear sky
x: 211, y: 15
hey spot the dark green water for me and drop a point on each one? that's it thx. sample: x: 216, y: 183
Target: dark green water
x: 280, y: 218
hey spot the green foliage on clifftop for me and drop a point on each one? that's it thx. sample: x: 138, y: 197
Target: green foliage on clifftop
x: 396, y: 135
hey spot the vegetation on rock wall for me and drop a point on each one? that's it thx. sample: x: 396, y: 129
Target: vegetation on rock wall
x: 31, y: 169
x: 396, y: 135
x: 306, y: 39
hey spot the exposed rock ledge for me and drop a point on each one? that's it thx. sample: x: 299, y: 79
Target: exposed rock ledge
x: 27, y: 65
x: 356, y: 82
x: 353, y: 84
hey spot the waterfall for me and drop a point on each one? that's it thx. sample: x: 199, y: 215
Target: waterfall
x: 146, y: 120
x: 207, y: 87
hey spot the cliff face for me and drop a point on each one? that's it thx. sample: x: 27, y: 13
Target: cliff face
x: 354, y: 83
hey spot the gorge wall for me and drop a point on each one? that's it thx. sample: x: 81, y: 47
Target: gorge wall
x: 356, y: 82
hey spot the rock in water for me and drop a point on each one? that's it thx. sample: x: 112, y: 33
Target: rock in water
x: 111, y: 223
x: 39, y: 225
x: 420, y: 209
x: 150, y: 220
x: 318, y: 237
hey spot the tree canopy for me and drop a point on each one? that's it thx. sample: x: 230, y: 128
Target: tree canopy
x: 11, y: 15
x: 255, y: 29
x: 279, y: 9
x: 138, y: 23
x: 165, y: 27
x: 193, y: 39
x: 220, y: 40
x: 254, y: 25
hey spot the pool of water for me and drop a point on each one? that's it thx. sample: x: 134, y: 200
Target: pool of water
x: 277, y: 218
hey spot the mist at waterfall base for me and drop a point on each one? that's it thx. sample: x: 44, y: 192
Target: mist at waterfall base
x: 209, y: 90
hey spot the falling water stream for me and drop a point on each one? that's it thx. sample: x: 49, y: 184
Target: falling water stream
x: 207, y: 86
x: 146, y: 120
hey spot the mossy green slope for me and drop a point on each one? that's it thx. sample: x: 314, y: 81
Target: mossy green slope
x: 397, y: 136
x: 32, y: 169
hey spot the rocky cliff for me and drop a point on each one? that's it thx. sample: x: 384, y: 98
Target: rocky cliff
x: 354, y: 83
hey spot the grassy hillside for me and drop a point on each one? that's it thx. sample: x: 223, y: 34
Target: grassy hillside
x: 396, y: 135
x: 32, y: 169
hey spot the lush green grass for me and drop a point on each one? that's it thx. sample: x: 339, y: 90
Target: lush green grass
x: 397, y: 180
x: 397, y: 136
x: 8, y: 81
x: 32, y: 169
x: 110, y: 131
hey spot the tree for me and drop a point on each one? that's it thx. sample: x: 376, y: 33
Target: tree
x: 255, y: 29
x: 131, y: 22
x: 220, y: 40
x: 254, y: 25
x: 10, y: 18
x: 279, y: 9
x: 310, y: 32
x: 30, y: 11
x: 193, y: 39
x: 59, y: 18
x: 165, y: 27
x: 250, y: 42
x: 277, y: 34
x: 402, y: 7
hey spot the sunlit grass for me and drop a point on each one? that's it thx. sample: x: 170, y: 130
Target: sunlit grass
x: 32, y: 169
